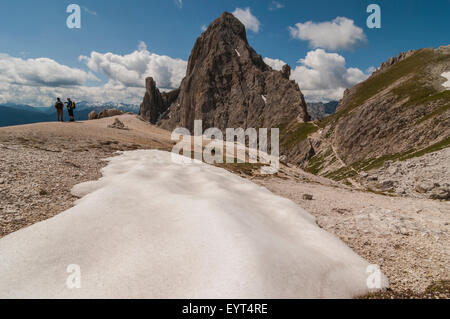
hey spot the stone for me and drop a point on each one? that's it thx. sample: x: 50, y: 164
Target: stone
x: 363, y: 174
x: 109, y: 113
x: 387, y: 184
x: 93, y: 115
x: 442, y: 193
x: 307, y: 197
x: 286, y: 71
x: 118, y: 124
x: 424, y: 187
x: 155, y: 103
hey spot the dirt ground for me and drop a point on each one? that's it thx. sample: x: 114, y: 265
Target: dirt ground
x: 40, y: 163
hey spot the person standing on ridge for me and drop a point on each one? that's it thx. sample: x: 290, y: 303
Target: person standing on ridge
x: 70, y: 108
x: 59, y: 106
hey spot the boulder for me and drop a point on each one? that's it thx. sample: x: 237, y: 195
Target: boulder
x: 118, y: 124
x: 424, y: 187
x: 93, y: 115
x: 442, y: 193
x: 109, y: 113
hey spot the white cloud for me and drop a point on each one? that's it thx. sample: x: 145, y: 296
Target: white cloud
x: 248, y: 19
x: 339, y: 34
x: 41, y: 71
x: 203, y: 28
x: 132, y: 69
x: 324, y: 76
x: 275, y: 64
x: 275, y: 5
x: 45, y: 95
x: 371, y: 69
x: 179, y: 3
x: 39, y: 81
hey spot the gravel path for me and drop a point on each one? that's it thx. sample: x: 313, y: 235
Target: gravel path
x: 407, y: 237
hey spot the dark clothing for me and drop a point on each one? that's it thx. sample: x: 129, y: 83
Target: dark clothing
x: 60, y: 114
x: 59, y: 106
x: 71, y: 115
x: 70, y: 110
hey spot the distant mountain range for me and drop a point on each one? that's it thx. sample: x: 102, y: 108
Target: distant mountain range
x: 18, y: 114
x: 320, y: 110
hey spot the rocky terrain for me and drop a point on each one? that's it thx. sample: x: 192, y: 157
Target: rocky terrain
x: 93, y: 115
x: 408, y: 237
x: 40, y: 163
x: 401, y: 112
x: 375, y: 173
x: 227, y: 85
x: 156, y: 104
x: 421, y: 177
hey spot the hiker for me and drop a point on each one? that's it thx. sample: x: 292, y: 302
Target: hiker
x: 70, y: 108
x: 59, y: 106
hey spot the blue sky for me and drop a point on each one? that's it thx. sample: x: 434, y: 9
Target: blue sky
x: 170, y: 27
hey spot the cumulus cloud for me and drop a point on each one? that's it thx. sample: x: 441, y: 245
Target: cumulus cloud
x: 339, y: 34
x: 41, y: 71
x: 45, y: 95
x: 248, y: 19
x: 323, y: 76
x: 275, y: 64
x: 38, y: 81
x: 132, y: 69
x: 275, y: 5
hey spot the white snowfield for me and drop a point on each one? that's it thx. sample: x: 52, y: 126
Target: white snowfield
x: 154, y: 228
x: 447, y: 76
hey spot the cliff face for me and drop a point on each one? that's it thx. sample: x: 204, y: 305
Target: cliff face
x: 402, y: 107
x: 227, y: 84
x: 155, y: 103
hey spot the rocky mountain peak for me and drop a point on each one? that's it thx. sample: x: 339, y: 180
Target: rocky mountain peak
x: 225, y: 38
x: 227, y: 84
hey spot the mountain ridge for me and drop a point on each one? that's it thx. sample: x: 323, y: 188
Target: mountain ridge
x: 401, y: 111
x: 227, y: 85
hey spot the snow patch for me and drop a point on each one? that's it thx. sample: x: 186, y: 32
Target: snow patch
x: 447, y: 76
x: 237, y: 52
x: 264, y: 98
x: 153, y: 228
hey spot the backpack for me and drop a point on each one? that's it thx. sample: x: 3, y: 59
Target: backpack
x: 73, y: 105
